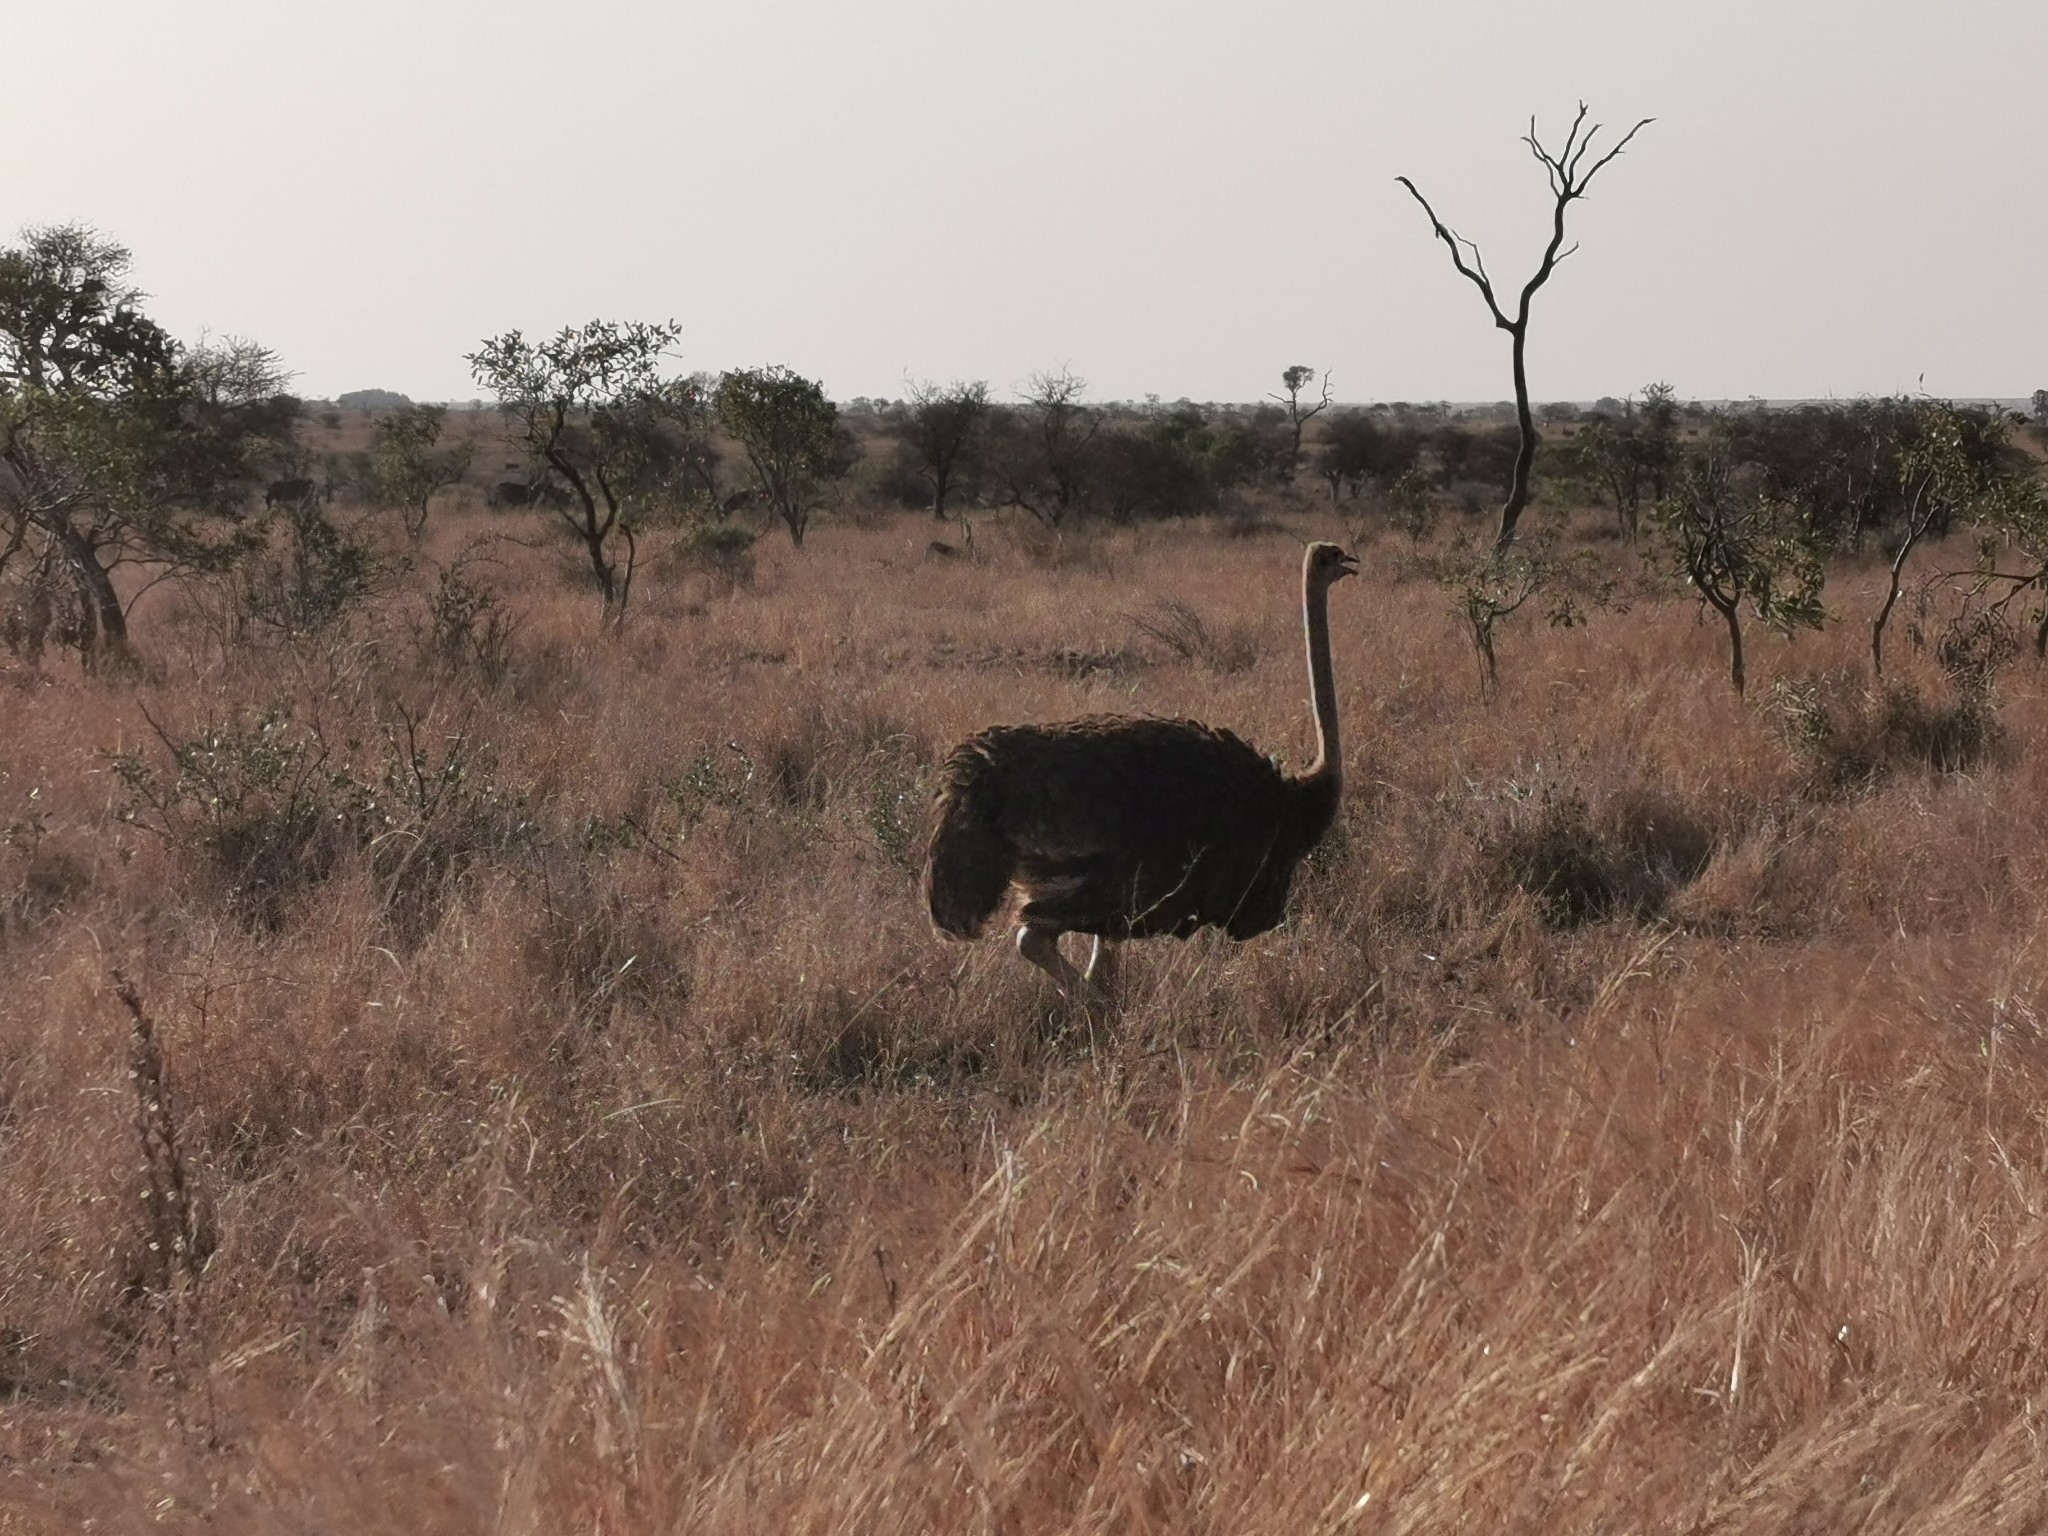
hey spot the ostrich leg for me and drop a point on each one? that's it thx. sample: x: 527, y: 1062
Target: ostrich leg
x: 1041, y: 946
x: 1103, y: 965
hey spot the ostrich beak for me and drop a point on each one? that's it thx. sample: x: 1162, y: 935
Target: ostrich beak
x: 1347, y: 565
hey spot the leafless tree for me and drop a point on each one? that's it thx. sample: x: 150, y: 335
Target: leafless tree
x: 1044, y: 453
x: 1569, y: 175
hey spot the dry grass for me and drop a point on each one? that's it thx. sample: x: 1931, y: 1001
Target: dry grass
x: 1638, y: 1126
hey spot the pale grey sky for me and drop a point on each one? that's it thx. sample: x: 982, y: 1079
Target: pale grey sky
x: 1173, y: 197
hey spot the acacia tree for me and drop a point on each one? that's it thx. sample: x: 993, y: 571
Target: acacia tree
x: 1569, y: 177
x: 1735, y: 549
x: 1954, y: 466
x: 593, y: 410
x: 407, y: 465
x: 2007, y: 499
x: 1294, y: 380
x: 118, y: 445
x: 790, y: 432
x: 941, y: 428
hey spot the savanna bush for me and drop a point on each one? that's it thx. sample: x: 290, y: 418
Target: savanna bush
x: 271, y: 806
x: 467, y: 626
x: 312, y: 573
x: 720, y: 550
x: 1853, y: 736
x: 1582, y: 862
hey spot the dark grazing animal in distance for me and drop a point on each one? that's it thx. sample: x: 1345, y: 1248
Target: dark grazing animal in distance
x: 1127, y: 828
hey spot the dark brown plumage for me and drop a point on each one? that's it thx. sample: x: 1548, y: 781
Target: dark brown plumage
x: 1132, y: 828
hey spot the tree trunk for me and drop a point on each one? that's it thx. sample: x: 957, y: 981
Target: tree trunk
x: 1891, y: 597
x: 1525, y: 455
x: 1918, y: 523
x: 1628, y: 512
x: 103, y: 640
x: 1732, y: 616
x: 593, y: 530
x: 617, y: 611
x: 607, y: 582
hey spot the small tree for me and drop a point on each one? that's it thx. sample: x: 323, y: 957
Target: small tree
x: 941, y: 428
x: 1734, y: 549
x: 1487, y: 588
x: 1569, y: 177
x: 1294, y: 380
x: 2007, y: 500
x: 1953, y: 466
x: 1358, y: 449
x: 592, y: 408
x: 2040, y: 407
x: 118, y: 445
x: 1044, y: 451
x: 790, y: 432
x: 407, y: 466
x: 1411, y: 505
x: 1839, y: 466
x: 1630, y: 457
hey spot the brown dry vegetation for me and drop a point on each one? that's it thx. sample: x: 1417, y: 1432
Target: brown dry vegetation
x: 1638, y: 1126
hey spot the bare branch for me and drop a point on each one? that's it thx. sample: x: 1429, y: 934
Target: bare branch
x: 1451, y: 241
x: 1567, y: 171
x: 1479, y: 261
x: 1586, y: 180
x: 1568, y: 162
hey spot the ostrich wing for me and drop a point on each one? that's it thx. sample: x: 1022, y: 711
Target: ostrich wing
x: 1134, y: 827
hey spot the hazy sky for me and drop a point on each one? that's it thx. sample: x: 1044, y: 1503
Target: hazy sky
x: 1177, y: 198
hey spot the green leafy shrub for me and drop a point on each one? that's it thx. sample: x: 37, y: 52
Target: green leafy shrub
x: 468, y: 626
x: 311, y: 574
x: 271, y: 807
x: 1854, y: 737
x: 723, y: 551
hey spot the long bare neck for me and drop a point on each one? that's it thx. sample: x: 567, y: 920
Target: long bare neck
x: 1328, y: 768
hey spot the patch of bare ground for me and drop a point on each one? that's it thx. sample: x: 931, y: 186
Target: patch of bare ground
x: 1637, y: 1125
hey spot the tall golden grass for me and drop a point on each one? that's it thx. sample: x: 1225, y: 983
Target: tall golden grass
x: 1637, y: 1126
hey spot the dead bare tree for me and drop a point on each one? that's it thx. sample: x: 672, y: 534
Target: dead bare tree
x: 1569, y: 177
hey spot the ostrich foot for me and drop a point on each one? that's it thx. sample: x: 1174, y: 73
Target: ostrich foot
x: 1041, y: 946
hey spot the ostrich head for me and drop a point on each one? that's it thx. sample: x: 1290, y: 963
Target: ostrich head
x: 1327, y: 564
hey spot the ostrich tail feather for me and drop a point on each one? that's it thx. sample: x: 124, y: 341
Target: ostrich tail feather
x: 970, y: 863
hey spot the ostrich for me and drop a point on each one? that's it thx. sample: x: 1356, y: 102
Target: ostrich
x: 1129, y: 828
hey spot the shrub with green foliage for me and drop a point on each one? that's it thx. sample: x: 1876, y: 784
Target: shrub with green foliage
x: 1736, y: 549
x: 274, y: 807
x: 791, y: 434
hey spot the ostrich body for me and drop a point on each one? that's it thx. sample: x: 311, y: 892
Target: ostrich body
x: 1131, y: 828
